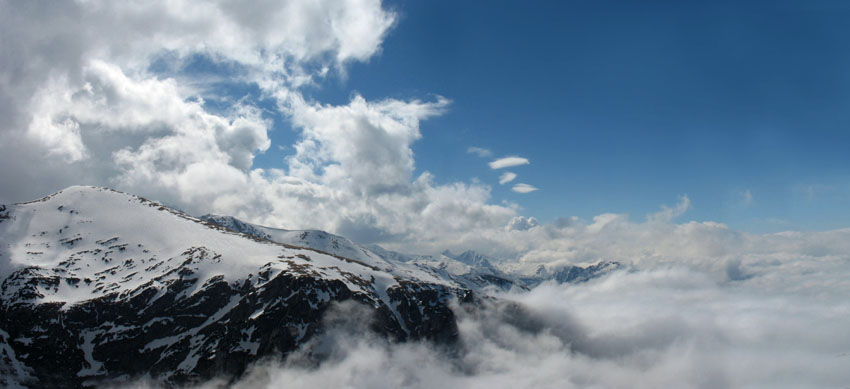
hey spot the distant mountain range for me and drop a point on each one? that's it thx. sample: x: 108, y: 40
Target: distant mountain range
x: 98, y: 287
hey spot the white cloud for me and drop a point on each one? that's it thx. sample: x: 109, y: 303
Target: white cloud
x: 523, y: 188
x: 508, y: 162
x: 481, y: 152
x: 59, y: 72
x: 666, y: 327
x: 506, y: 177
x: 81, y: 106
x: 666, y: 214
x: 521, y: 223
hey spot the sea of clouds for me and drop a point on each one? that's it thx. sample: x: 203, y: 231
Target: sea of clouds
x: 671, y: 326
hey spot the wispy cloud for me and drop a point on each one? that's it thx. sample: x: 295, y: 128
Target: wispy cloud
x: 479, y: 151
x: 506, y: 177
x: 523, y: 188
x: 508, y: 162
x: 747, y: 198
x: 667, y: 214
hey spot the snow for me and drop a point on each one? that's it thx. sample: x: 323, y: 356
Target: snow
x: 22, y: 373
x: 101, y: 241
x: 245, y: 344
x: 85, y: 242
x: 94, y: 367
x: 24, y: 340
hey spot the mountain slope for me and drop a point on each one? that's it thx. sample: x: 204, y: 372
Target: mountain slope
x: 98, y: 286
x: 315, y: 239
x: 469, y: 269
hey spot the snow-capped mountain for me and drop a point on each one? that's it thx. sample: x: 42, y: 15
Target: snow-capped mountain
x: 472, y: 258
x: 471, y: 269
x: 99, y: 286
x: 567, y: 274
x: 315, y: 239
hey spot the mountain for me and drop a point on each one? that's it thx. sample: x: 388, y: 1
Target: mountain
x: 315, y: 239
x: 469, y: 269
x: 98, y: 287
x: 576, y: 274
x: 565, y: 274
x: 472, y: 258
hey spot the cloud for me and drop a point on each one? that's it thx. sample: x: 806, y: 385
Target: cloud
x: 61, y: 74
x: 506, y: 177
x: 663, y: 327
x: 481, y: 152
x: 508, y: 162
x: 747, y: 198
x: 521, y: 223
x: 82, y: 104
x: 666, y: 214
x: 100, y: 94
x: 523, y: 188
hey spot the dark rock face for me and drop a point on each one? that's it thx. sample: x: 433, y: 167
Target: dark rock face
x: 163, y: 331
x: 576, y: 274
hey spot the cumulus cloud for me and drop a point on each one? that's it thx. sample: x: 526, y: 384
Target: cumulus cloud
x: 508, y: 162
x: 96, y: 93
x: 66, y: 70
x: 521, y: 223
x: 481, y: 152
x: 523, y: 188
x: 506, y: 177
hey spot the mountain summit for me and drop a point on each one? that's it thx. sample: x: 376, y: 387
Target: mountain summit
x: 99, y: 286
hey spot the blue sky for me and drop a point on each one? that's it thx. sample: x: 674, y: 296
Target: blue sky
x: 621, y: 107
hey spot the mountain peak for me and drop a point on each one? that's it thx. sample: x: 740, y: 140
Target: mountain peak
x: 471, y: 258
x: 142, y: 289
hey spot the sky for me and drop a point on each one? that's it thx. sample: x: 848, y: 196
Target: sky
x: 434, y: 125
x: 621, y: 107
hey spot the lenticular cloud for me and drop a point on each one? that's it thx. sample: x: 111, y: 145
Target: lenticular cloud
x: 502, y: 163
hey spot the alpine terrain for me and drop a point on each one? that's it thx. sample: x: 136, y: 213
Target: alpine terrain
x: 98, y: 287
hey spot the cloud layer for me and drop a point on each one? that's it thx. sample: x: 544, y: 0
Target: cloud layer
x: 667, y: 327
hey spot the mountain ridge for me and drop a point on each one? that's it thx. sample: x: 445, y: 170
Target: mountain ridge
x: 100, y: 286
